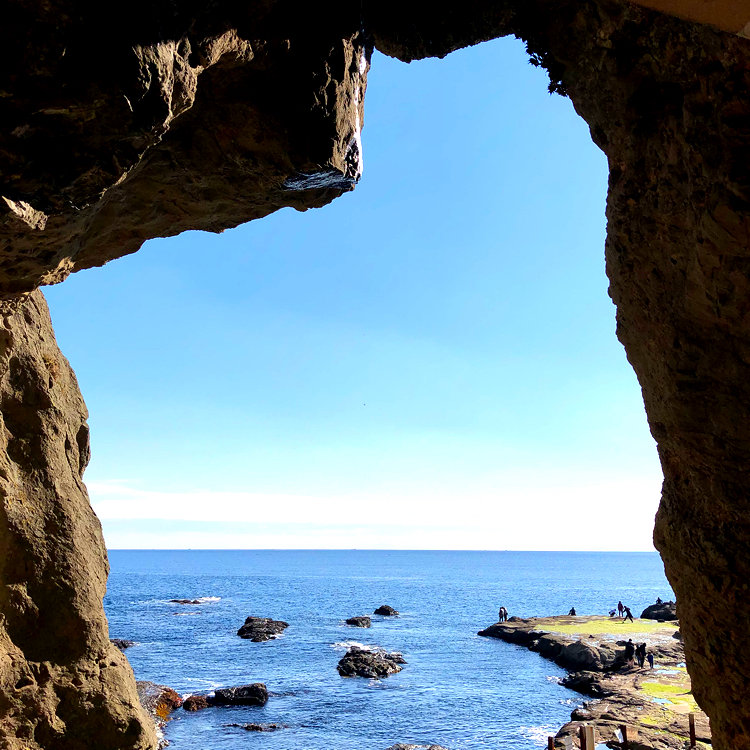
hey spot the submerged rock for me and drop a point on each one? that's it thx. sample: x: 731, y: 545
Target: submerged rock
x: 386, y: 610
x: 401, y: 746
x: 666, y: 611
x: 242, y: 695
x: 361, y: 621
x: 259, y: 629
x: 374, y: 663
x: 257, y: 727
x: 185, y: 601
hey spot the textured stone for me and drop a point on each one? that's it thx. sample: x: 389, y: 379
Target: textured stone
x: 369, y: 662
x: 63, y: 685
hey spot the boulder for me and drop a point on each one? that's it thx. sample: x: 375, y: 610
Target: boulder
x: 386, y: 610
x: 666, y: 611
x: 361, y: 621
x: 259, y: 629
x: 243, y: 695
x: 195, y: 703
x: 583, y: 655
x: 122, y: 643
x: 586, y: 683
x: 375, y: 663
x: 158, y: 700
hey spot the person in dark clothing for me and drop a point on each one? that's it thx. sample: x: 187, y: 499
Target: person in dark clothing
x: 620, y: 608
x: 502, y: 614
x: 658, y: 600
x: 650, y: 658
x: 629, y: 652
x: 628, y: 615
x: 572, y: 612
x: 640, y: 654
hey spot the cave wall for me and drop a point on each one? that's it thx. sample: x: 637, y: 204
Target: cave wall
x: 62, y: 684
x: 188, y: 115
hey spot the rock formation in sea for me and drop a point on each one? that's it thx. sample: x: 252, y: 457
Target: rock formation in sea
x: 259, y: 629
x: 255, y: 694
x: 386, y: 611
x: 361, y: 621
x: 370, y: 662
x: 195, y: 703
x: 139, y: 123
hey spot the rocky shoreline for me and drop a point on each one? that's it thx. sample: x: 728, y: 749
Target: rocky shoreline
x: 654, y: 704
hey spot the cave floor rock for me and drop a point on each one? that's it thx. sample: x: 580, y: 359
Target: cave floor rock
x: 653, y: 703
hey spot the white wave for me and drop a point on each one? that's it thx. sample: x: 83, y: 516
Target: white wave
x: 538, y: 734
x: 203, y: 683
x: 556, y: 680
x: 207, y: 599
x: 346, y: 645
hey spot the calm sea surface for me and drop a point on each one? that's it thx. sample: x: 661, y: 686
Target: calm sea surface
x: 457, y: 690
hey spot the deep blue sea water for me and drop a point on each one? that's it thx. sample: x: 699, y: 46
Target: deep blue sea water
x: 458, y: 689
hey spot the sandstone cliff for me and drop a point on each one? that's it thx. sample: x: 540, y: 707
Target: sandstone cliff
x: 63, y: 686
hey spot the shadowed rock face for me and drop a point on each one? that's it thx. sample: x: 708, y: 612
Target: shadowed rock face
x: 63, y: 685
x: 188, y: 115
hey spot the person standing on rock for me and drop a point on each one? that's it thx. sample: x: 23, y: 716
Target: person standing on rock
x: 640, y: 654
x: 650, y: 657
x: 629, y: 652
x: 628, y: 615
x: 502, y: 614
x: 572, y: 612
x: 620, y: 608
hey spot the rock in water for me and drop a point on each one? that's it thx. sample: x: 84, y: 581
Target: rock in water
x: 122, y: 643
x: 243, y: 695
x: 361, y: 621
x: 375, y: 663
x: 195, y: 703
x: 666, y: 611
x: 386, y: 611
x: 257, y: 727
x: 259, y: 629
x: 401, y: 746
x: 185, y: 601
x: 158, y: 700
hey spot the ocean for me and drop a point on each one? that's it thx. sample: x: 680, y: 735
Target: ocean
x: 457, y: 689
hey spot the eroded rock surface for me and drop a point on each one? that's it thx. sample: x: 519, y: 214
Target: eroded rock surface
x: 64, y: 686
x: 361, y: 621
x: 664, y: 611
x: 370, y: 662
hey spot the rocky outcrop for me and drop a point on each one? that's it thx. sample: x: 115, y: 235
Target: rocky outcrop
x: 63, y: 685
x: 401, y: 746
x: 195, y: 703
x: 386, y: 611
x: 243, y: 695
x: 122, y: 643
x: 370, y: 662
x: 665, y: 612
x: 185, y: 601
x: 359, y: 622
x: 259, y: 629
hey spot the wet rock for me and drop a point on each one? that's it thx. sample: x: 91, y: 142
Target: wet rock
x: 122, y: 643
x: 374, y: 663
x: 401, y: 746
x: 259, y: 629
x: 359, y: 622
x: 257, y: 727
x: 195, y: 703
x: 158, y: 700
x: 185, y: 601
x: 242, y: 695
x: 586, y: 683
x: 386, y: 610
x: 664, y: 612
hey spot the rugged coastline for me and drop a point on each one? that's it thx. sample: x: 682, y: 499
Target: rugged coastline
x: 654, y: 704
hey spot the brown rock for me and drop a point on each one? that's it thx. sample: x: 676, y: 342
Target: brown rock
x: 58, y: 671
x: 195, y: 703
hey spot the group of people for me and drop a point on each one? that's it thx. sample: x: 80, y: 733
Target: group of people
x: 622, y: 611
x: 502, y: 615
x: 637, y: 653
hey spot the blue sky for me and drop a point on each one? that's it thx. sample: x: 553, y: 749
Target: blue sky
x: 430, y: 361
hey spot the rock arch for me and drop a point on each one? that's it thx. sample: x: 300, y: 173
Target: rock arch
x: 205, y: 115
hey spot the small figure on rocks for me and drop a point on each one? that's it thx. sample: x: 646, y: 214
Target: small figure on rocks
x: 629, y: 652
x: 620, y: 609
x: 502, y: 615
x: 572, y: 612
x: 612, y: 612
x: 640, y: 654
x: 650, y: 657
x: 658, y: 600
x: 628, y: 615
